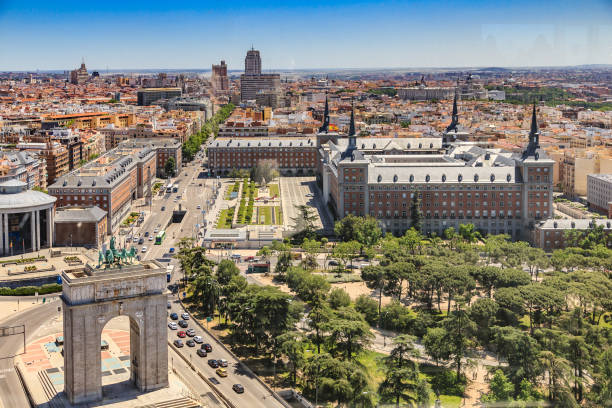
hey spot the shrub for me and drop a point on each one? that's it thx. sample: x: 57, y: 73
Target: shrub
x: 31, y: 290
x: 339, y: 298
x: 396, y: 316
x: 369, y: 307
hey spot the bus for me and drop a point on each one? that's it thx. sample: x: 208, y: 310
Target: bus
x: 159, y: 238
x: 169, y: 188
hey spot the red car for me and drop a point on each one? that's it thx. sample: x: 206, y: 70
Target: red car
x: 181, y: 334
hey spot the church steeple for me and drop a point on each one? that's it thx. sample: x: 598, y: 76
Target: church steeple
x: 534, y: 135
x: 352, y: 140
x: 351, y: 132
x: 454, y: 117
x: 325, y: 126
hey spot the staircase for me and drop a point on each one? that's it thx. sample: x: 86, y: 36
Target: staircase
x: 175, y: 403
x: 55, y: 399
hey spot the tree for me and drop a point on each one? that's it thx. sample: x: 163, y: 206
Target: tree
x: 468, y: 232
x: 304, y: 221
x: 521, y: 351
x: 368, y: 307
x: 435, y: 343
x: 364, y: 230
x: 338, y: 298
x: 397, y: 317
x: 375, y: 277
x: 403, y: 350
x: 483, y: 313
x: 346, y: 252
x: 501, y: 389
x: 292, y: 346
x: 416, y: 214
x: 312, y: 248
x: 460, y: 330
x: 226, y: 271
x: 282, y: 264
x: 348, y: 332
x: 319, y: 316
x: 265, y: 171
x: 206, y: 292
x: 170, y: 167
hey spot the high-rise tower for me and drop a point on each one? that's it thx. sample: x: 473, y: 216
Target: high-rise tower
x: 252, y: 62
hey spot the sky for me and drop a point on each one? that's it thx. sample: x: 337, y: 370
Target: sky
x: 305, y: 34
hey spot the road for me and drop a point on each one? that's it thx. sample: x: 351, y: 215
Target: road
x: 255, y: 394
x: 10, y: 386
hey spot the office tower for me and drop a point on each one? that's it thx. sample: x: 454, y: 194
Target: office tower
x: 263, y: 88
x: 219, y: 79
x: 252, y: 62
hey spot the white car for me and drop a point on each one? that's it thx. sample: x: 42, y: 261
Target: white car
x: 144, y: 249
x: 156, y: 230
x: 199, y: 207
x: 198, y: 339
x: 172, y: 326
x: 309, y: 195
x: 150, y: 237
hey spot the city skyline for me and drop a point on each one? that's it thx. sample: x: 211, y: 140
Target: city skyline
x: 366, y: 35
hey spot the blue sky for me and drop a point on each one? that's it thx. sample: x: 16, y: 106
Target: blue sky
x: 303, y: 34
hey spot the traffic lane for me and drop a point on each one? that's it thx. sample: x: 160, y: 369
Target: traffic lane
x: 11, y: 391
x: 255, y: 394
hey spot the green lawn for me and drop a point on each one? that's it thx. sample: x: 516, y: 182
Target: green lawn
x: 274, y: 191
x: 279, y: 215
x: 266, y: 212
x: 225, y: 218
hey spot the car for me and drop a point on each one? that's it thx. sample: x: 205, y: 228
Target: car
x: 199, y: 207
x: 183, y: 323
x: 185, y: 316
x: 150, y: 237
x: 169, y: 305
x: 201, y: 353
x: 214, y: 380
x: 190, y: 332
x: 141, y: 241
x: 171, y: 250
x: 333, y: 263
x: 172, y: 326
x: 178, y: 343
x: 174, y: 316
x: 156, y: 230
x: 144, y: 249
x: 221, y: 372
x: 222, y: 362
x: 238, y: 388
x: 198, y: 339
x: 146, y: 234
x: 135, y: 240
x: 181, y: 334
x: 191, y: 343
x: 207, y: 347
x: 163, y: 208
x: 352, y: 266
x: 309, y: 195
x: 213, y: 363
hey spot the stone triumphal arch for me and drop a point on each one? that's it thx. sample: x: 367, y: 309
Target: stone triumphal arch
x: 94, y: 295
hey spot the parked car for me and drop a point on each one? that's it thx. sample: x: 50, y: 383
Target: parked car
x: 146, y: 234
x: 352, y: 266
x: 221, y: 372
x: 150, y: 237
x: 174, y: 316
x: 135, y: 240
x: 191, y: 343
x: 190, y: 332
x: 185, y: 316
x: 178, y: 343
x: 199, y: 207
x: 183, y: 323
x: 172, y: 326
x: 144, y: 249
x: 171, y: 250
x: 214, y: 380
x: 222, y: 362
x: 207, y: 347
x: 163, y: 208
x: 141, y: 241
x: 181, y: 334
x: 333, y: 263
x: 201, y: 353
x: 238, y: 388
x: 198, y: 339
x: 169, y: 305
x: 213, y: 363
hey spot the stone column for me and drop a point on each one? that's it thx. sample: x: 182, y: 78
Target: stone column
x: 49, y: 228
x: 33, y: 229
x: 38, y: 230
x: 6, y: 231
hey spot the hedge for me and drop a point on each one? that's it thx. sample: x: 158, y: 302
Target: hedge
x: 31, y: 290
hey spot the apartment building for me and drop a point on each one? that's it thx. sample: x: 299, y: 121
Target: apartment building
x: 550, y: 234
x: 577, y: 165
x: 599, y: 192
x: 29, y: 168
x: 111, y: 182
x: 147, y: 96
x: 90, y: 120
x: 55, y: 155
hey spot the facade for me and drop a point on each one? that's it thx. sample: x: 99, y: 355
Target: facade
x: 293, y: 156
x: 92, y: 120
x: 111, y: 182
x: 55, y: 155
x: 550, y: 234
x: 599, y: 192
x: 147, y: 96
x: 219, y: 79
x: 73, y: 144
x: 26, y: 218
x: 80, y: 226
x: 254, y: 83
x: 164, y: 148
x: 422, y: 93
x: 577, y: 165
x: 499, y: 192
x: 23, y: 166
x: 79, y: 76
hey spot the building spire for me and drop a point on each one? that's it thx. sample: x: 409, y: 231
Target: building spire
x: 351, y: 132
x: 325, y: 126
x: 534, y: 122
x: 455, y: 116
x: 534, y: 135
